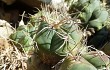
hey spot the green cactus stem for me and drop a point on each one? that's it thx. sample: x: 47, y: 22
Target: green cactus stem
x: 87, y: 61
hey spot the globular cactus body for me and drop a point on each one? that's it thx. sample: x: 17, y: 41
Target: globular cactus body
x: 22, y: 37
x: 92, y: 14
x: 58, y: 42
x: 58, y: 39
x: 88, y: 61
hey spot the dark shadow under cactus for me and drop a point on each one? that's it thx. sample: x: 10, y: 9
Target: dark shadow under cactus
x: 99, y: 38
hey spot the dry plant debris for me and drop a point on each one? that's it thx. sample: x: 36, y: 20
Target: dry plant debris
x: 11, y: 58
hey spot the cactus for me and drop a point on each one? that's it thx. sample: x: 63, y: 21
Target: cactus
x: 22, y: 37
x: 71, y: 63
x: 94, y: 19
x: 88, y: 61
x: 55, y: 39
x: 91, y: 13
